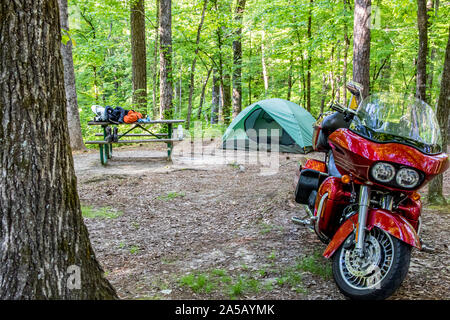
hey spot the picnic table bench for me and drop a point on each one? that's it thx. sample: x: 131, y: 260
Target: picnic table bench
x: 105, y: 147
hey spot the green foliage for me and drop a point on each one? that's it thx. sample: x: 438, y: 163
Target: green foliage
x: 100, y: 33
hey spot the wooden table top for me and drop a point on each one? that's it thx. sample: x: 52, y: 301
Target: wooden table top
x: 93, y: 123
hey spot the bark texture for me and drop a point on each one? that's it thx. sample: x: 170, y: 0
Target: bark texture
x: 73, y: 116
x: 361, y: 45
x: 194, y: 62
x: 138, y: 55
x: 422, y: 24
x: 442, y: 113
x: 44, y: 244
x: 237, y: 58
x: 165, y: 61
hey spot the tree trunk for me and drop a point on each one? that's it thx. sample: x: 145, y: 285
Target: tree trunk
x: 442, y: 113
x: 202, y: 96
x: 156, y: 110
x: 308, y: 74
x: 73, y: 116
x: 215, y: 97
x: 430, y: 76
x: 138, y: 55
x: 225, y: 89
x: 421, y: 75
x: 264, y: 66
x: 192, y: 73
x: 165, y: 54
x: 290, y: 81
x: 237, y: 58
x: 361, y: 45
x: 346, y: 47
x: 45, y: 249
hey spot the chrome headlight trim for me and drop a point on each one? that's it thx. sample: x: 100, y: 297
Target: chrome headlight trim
x: 383, y: 172
x: 407, y: 178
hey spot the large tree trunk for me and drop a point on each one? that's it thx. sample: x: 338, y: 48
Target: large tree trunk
x: 422, y: 24
x: 45, y: 251
x: 165, y: 54
x: 73, y: 116
x: 138, y: 55
x: 194, y: 61
x: 442, y: 113
x: 237, y: 58
x: 361, y: 45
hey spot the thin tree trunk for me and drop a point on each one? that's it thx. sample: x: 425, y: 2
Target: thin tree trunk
x: 237, y: 58
x: 225, y: 90
x: 45, y: 249
x: 73, y: 116
x: 346, y: 47
x: 264, y: 66
x: 421, y: 75
x: 138, y: 55
x: 156, y: 110
x: 165, y: 61
x: 361, y: 45
x: 250, y: 78
x: 202, y: 96
x: 215, y: 97
x: 290, y: 82
x: 435, y: 194
x: 192, y: 73
x: 324, y: 92
x: 303, y: 79
x: 309, y: 61
x: 430, y: 76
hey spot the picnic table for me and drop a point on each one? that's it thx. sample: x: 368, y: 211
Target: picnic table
x: 105, y: 147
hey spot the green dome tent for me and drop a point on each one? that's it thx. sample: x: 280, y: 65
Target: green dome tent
x: 293, y: 123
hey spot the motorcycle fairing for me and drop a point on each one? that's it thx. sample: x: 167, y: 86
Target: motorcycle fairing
x: 393, y: 224
x: 316, y: 165
x: 330, y: 201
x: 355, y: 155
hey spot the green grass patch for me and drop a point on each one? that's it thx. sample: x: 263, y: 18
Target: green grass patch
x: 200, y: 282
x: 315, y: 264
x: 103, y: 213
x: 171, y: 195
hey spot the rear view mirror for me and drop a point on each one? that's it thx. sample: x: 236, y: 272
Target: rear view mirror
x: 355, y: 88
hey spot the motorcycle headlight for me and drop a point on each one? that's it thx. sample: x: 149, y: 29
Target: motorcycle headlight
x: 383, y: 172
x: 407, y: 178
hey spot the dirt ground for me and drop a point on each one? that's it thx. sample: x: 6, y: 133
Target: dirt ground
x: 185, y: 230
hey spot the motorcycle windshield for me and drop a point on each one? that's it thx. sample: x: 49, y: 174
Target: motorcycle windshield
x: 388, y: 117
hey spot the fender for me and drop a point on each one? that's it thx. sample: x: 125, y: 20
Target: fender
x: 392, y: 223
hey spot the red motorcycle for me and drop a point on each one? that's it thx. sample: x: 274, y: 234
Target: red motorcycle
x: 362, y: 200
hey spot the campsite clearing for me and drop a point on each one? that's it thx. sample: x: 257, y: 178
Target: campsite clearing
x: 220, y: 232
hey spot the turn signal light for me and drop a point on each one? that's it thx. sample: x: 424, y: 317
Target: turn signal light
x: 346, y: 179
x: 415, y: 196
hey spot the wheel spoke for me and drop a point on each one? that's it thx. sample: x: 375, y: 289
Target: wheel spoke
x: 364, y: 273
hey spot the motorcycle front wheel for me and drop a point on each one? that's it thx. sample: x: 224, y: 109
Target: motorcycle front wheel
x: 377, y: 274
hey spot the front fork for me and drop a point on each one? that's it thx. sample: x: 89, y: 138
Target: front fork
x: 364, y: 200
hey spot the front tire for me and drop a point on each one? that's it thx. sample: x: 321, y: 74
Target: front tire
x: 379, y: 273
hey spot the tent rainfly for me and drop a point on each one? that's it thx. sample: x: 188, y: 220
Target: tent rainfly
x: 254, y: 127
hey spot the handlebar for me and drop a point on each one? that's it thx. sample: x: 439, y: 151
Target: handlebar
x: 337, y: 107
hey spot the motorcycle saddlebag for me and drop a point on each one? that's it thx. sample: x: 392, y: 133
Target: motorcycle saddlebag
x: 308, y: 182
